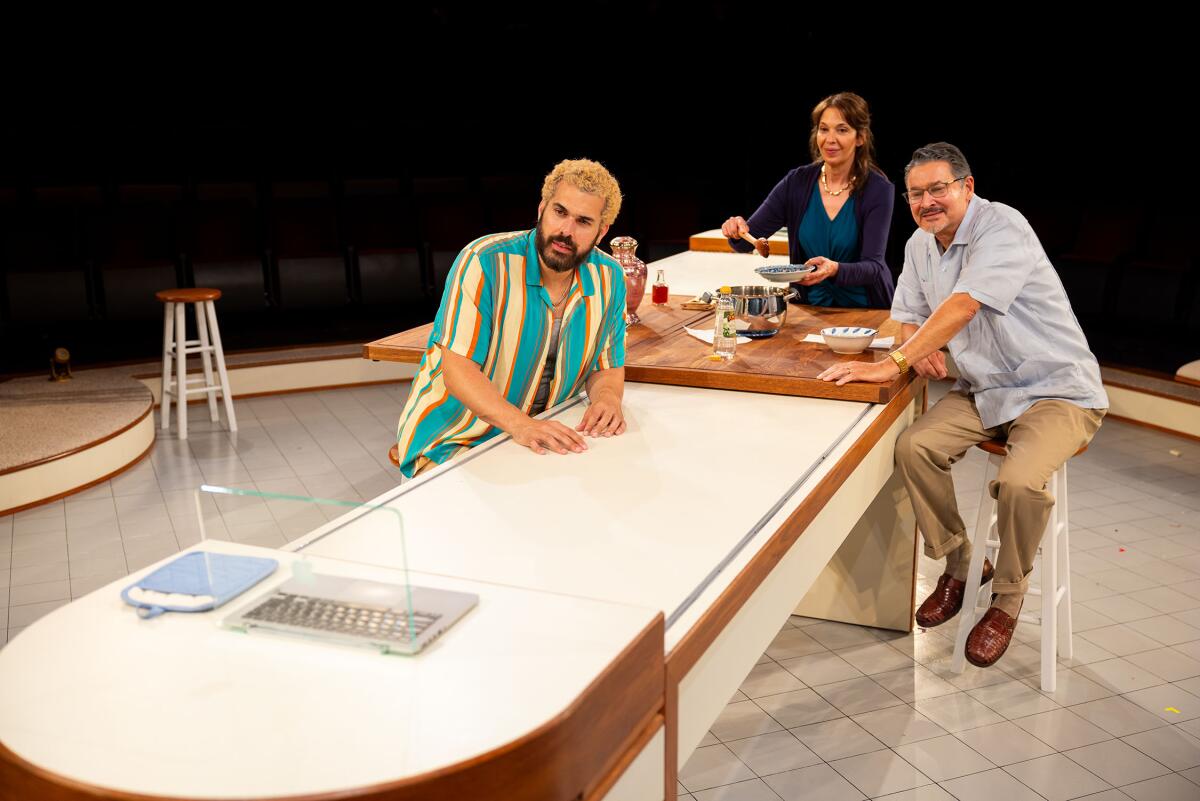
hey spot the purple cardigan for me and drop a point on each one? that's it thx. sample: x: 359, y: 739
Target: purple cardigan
x: 872, y: 208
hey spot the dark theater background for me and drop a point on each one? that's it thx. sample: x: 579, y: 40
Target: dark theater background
x: 324, y: 173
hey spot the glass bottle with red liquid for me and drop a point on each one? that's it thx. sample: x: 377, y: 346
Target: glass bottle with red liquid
x: 659, y: 292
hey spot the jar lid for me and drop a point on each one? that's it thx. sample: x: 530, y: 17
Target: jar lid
x: 622, y: 243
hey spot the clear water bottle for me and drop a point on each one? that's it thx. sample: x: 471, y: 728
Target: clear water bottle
x: 724, y: 334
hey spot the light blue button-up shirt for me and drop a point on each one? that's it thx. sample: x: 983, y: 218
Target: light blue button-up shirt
x: 1025, y: 344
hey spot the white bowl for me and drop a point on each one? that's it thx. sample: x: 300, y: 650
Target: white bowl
x: 848, y: 339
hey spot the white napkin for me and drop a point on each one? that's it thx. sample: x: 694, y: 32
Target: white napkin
x: 877, y: 342
x: 706, y: 335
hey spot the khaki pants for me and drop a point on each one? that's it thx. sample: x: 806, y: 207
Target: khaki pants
x: 1039, y: 442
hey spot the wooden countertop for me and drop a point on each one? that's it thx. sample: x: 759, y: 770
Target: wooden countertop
x: 714, y: 241
x: 659, y: 351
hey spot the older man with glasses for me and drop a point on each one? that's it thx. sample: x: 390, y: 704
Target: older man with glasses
x: 976, y: 278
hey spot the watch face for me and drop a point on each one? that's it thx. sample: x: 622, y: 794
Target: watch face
x: 62, y: 355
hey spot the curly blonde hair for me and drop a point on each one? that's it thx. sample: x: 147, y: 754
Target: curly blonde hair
x: 586, y: 176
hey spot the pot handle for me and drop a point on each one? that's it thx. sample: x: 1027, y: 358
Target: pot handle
x: 792, y: 294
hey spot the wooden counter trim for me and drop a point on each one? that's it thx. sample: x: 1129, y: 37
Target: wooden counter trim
x: 661, y: 332
x: 710, y: 245
x: 630, y: 751
x: 759, y: 382
x: 406, y: 347
x: 671, y: 740
x: 696, y: 641
x: 558, y: 760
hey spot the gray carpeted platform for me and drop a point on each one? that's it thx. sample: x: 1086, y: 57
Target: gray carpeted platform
x: 41, y: 419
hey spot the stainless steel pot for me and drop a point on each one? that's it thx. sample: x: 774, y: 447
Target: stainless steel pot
x: 760, y: 311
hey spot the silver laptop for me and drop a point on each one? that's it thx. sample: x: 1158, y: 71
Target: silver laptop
x: 354, y: 611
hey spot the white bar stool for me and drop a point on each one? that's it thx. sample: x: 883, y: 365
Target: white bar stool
x: 1054, y: 553
x: 177, y: 347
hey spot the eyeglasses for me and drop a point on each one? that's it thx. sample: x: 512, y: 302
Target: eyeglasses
x: 936, y: 191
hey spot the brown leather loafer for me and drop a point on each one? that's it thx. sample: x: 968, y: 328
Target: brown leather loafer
x: 947, y: 598
x: 988, y: 641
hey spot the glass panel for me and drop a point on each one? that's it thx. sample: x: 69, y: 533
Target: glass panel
x: 319, y: 598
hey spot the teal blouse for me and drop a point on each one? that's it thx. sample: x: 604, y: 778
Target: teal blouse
x: 835, y: 239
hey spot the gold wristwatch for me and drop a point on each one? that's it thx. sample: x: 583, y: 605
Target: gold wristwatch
x: 900, y: 361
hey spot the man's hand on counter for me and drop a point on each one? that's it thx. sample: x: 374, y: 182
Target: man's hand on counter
x: 603, y: 417
x: 542, y: 435
x: 870, y: 372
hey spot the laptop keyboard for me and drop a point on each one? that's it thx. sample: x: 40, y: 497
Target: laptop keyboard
x: 324, y: 614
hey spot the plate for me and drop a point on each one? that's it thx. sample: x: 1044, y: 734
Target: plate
x: 783, y: 273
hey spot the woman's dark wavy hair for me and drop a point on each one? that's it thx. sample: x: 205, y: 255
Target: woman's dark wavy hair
x: 858, y: 117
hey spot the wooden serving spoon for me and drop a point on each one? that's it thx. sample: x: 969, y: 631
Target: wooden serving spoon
x: 760, y: 244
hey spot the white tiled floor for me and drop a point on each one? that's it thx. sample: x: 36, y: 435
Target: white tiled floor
x: 888, y: 719
x: 831, y: 711
x: 329, y: 444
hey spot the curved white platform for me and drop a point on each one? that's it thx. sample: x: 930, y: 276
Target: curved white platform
x: 57, y: 439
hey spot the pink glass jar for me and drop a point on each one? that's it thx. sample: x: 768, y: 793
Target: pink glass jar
x: 624, y: 250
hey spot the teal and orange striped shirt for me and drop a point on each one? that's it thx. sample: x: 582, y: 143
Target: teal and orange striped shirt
x: 496, y: 313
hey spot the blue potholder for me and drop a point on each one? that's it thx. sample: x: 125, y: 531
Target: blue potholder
x: 190, y: 575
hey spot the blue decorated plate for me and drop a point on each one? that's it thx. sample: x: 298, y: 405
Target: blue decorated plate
x: 783, y: 273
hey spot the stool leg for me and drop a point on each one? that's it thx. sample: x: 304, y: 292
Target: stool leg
x: 220, y: 353
x: 168, y: 338
x: 1066, y: 631
x: 181, y: 370
x: 980, y: 536
x: 206, y: 360
x: 1050, y: 593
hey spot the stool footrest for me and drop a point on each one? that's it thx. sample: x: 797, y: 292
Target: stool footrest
x: 189, y: 350
x: 196, y: 391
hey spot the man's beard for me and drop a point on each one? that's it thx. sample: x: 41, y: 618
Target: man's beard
x: 561, y: 262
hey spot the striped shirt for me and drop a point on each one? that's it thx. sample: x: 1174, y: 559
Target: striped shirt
x: 496, y: 313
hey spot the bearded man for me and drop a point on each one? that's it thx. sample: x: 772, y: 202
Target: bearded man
x: 528, y: 319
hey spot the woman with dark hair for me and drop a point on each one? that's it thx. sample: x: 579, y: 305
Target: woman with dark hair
x: 837, y: 210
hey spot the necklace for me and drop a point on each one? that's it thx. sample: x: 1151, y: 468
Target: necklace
x: 563, y: 296
x: 825, y: 184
